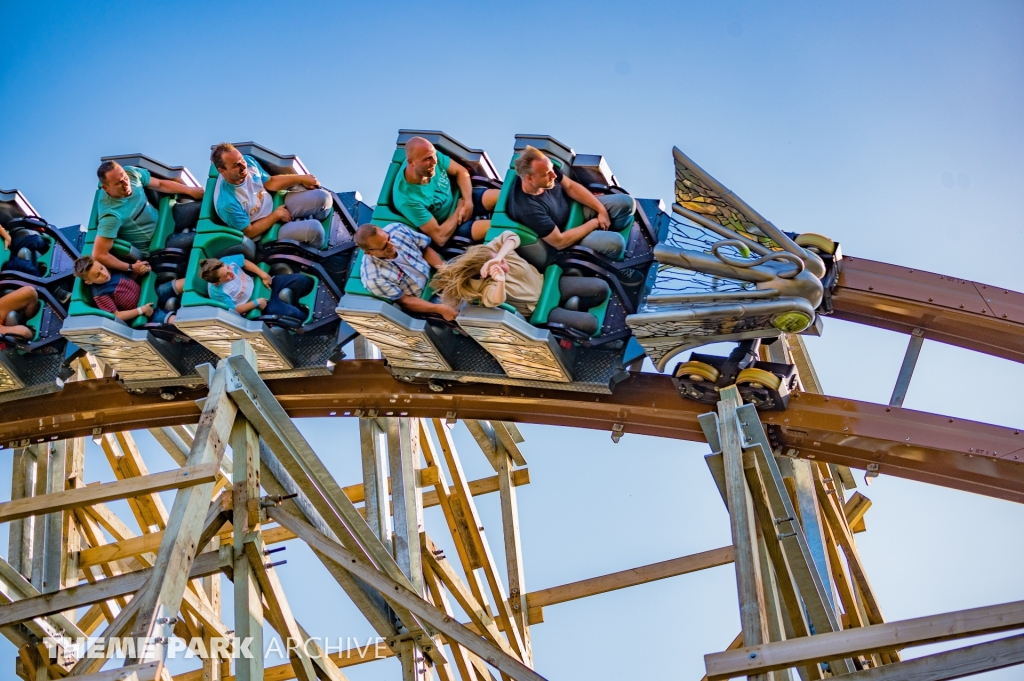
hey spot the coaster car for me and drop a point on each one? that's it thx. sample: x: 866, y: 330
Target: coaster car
x: 38, y: 365
x: 586, y: 350
x: 145, y: 355
x: 47, y: 262
x: 727, y: 274
x: 284, y: 346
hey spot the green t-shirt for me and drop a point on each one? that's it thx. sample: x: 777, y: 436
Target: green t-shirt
x: 132, y: 218
x: 420, y: 202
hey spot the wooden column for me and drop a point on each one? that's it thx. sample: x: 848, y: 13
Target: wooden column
x: 245, y: 522
x: 23, y: 481
x: 42, y: 454
x: 513, y: 549
x: 407, y: 507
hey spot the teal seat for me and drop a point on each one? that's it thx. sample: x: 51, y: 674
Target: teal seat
x: 45, y: 259
x: 550, y: 296
x: 197, y: 292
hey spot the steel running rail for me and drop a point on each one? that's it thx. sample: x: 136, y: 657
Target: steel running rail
x: 955, y: 453
x: 949, y: 310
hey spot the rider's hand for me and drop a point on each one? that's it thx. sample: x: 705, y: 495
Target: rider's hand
x: 7, y: 240
x: 493, y: 265
x: 465, y: 210
x: 267, y: 279
x: 146, y: 310
x: 448, y: 312
x: 261, y: 303
x: 604, y: 221
x: 309, y: 182
x: 282, y: 213
x: 139, y: 267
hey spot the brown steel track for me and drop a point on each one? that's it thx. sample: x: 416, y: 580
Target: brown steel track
x: 930, y: 448
x: 960, y: 454
x: 959, y: 312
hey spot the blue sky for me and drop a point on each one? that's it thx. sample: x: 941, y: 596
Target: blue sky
x: 892, y: 127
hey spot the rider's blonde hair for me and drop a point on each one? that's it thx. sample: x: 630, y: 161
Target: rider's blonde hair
x: 452, y: 279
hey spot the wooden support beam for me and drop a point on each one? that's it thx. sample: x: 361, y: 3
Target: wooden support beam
x: 308, y: 473
x: 374, y: 490
x: 104, y: 589
x: 952, y: 664
x: 405, y: 597
x: 406, y: 497
x: 278, y: 481
x: 280, y: 612
x: 633, y: 577
x: 473, y: 526
x: 855, y: 508
x: 507, y: 435
x: 108, y: 491
x: 248, y: 597
x: 463, y: 658
x: 875, y: 638
x: 513, y: 546
x: 478, y: 613
x: 741, y: 517
x: 23, y: 485
x: 167, y: 585
x: 149, y: 543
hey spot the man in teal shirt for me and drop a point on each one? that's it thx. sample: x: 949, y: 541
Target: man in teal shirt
x: 123, y: 212
x: 423, y: 195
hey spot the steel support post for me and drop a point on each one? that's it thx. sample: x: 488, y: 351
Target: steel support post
x: 899, y: 392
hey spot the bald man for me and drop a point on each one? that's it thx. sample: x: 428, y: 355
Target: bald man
x: 423, y: 195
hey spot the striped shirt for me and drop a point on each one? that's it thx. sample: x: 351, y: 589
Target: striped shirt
x: 119, y: 294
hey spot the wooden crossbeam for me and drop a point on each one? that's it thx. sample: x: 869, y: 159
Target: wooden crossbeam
x: 632, y: 577
x: 108, y: 491
x: 102, y: 590
x: 149, y: 543
x: 878, y: 637
x: 952, y: 664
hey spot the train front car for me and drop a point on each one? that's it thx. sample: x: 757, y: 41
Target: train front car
x: 498, y: 345
x: 308, y: 345
x: 727, y: 274
x: 146, y: 355
x: 41, y: 256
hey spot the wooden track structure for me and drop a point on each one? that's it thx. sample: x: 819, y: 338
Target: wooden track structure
x: 248, y: 480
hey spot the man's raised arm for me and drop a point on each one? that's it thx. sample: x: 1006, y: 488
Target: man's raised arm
x: 462, y: 178
x: 101, y: 254
x: 175, y: 187
x: 278, y: 182
x: 580, y: 194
